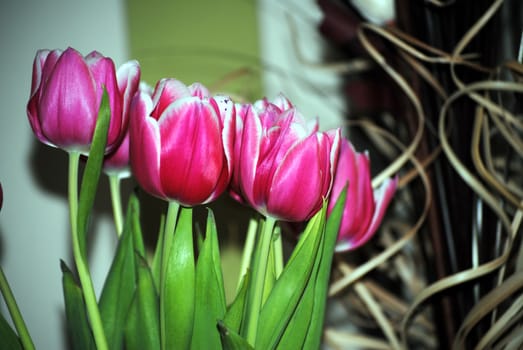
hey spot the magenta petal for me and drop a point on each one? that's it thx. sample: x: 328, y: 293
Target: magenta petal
x: 117, y: 163
x: 38, y: 66
x: 282, y: 102
x: 226, y: 109
x: 192, y: 155
x: 104, y: 74
x: 249, y: 155
x: 144, y: 145
x: 66, y: 109
x: 199, y: 90
x: 128, y: 79
x: 383, y: 196
x: 364, y: 207
x: 50, y: 63
x: 166, y: 92
x: 295, y: 191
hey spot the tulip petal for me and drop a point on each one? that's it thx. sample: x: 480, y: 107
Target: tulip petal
x: 128, y: 79
x: 167, y: 91
x: 198, y: 90
x: 249, y: 154
x: 144, y: 145
x: 41, y: 58
x: 192, y: 157
x: 104, y: 75
x: 293, y: 194
x: 66, y: 108
x: 226, y: 109
x: 383, y: 196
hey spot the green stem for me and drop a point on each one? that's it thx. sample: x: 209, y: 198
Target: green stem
x: 116, y: 200
x: 168, y: 236
x: 16, y: 315
x: 260, y: 269
x: 277, y: 245
x: 80, y: 262
x: 247, y: 249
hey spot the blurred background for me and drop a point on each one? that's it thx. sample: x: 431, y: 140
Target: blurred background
x: 216, y: 43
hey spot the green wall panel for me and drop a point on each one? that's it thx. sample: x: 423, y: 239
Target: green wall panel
x: 212, y: 42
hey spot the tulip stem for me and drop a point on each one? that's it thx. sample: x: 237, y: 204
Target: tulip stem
x: 168, y: 236
x: 278, y: 253
x: 260, y: 270
x: 247, y: 250
x: 81, y: 264
x: 116, y: 200
x: 16, y: 315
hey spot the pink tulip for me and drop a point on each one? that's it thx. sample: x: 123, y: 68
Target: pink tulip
x: 364, y: 208
x: 66, y: 92
x: 181, y: 140
x: 283, y: 167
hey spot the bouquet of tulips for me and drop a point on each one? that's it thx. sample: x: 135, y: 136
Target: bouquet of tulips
x: 186, y: 146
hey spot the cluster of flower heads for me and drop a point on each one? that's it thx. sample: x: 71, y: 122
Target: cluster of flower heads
x: 184, y: 144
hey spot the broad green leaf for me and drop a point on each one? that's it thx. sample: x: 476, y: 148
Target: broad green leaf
x: 179, y: 285
x: 8, y: 336
x: 92, y: 171
x: 288, y: 290
x: 296, y: 331
x: 132, y: 336
x: 210, y: 294
x: 235, y: 312
x: 230, y: 340
x: 119, y: 286
x: 143, y: 327
x: 314, y: 335
x: 76, y: 315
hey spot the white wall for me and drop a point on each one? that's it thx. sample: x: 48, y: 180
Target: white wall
x: 34, y: 231
x: 313, y: 89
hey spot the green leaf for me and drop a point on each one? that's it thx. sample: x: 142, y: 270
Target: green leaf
x: 235, y: 312
x: 143, y: 327
x: 179, y: 285
x: 76, y: 315
x: 210, y: 294
x: 289, y: 288
x: 9, y: 337
x: 296, y: 331
x: 314, y: 334
x: 230, y: 340
x: 120, y: 283
x: 92, y: 171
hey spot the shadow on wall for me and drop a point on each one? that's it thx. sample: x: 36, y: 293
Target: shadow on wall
x: 49, y: 168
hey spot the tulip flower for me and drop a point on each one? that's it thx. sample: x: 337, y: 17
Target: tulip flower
x: 181, y: 141
x: 66, y: 93
x: 1, y: 196
x: 364, y: 208
x: 283, y: 166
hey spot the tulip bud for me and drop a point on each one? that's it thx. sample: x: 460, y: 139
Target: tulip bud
x: 283, y: 167
x: 66, y: 93
x: 180, y: 142
x: 364, y: 208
